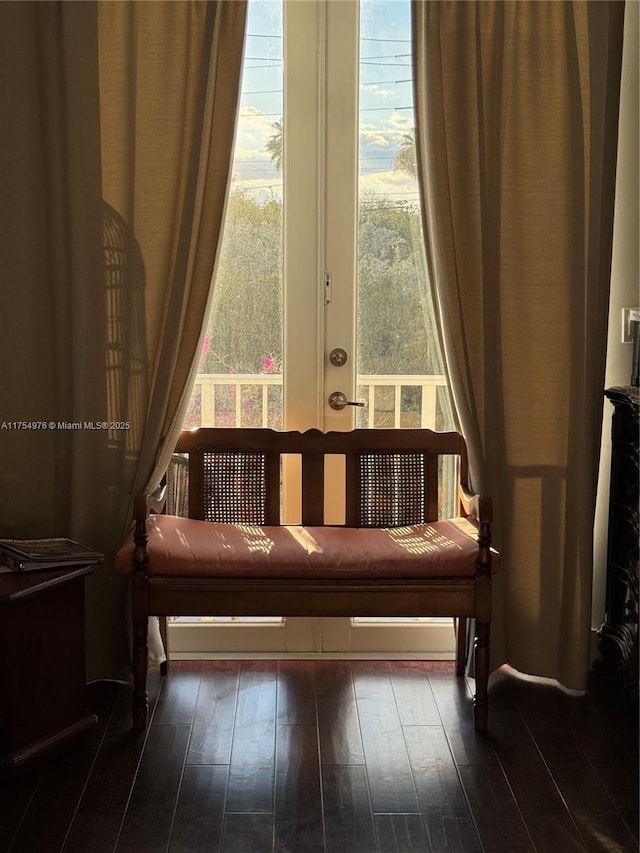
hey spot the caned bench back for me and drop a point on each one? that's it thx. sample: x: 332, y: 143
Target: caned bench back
x: 392, y: 477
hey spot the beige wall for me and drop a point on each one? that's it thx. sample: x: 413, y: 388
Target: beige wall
x: 625, y: 278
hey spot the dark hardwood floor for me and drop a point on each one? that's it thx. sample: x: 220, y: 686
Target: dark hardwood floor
x: 347, y: 757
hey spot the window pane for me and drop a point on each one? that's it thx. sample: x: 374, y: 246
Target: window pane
x: 239, y: 381
x: 400, y: 371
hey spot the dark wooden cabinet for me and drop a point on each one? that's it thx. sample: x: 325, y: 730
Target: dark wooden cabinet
x: 43, y: 706
x: 618, y: 635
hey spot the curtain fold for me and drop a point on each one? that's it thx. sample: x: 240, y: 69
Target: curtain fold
x: 169, y: 82
x: 516, y: 114
x: 118, y: 126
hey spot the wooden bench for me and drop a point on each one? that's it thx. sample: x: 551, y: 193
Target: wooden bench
x: 392, y: 557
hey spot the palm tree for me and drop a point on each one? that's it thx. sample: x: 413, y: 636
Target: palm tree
x: 405, y: 158
x: 275, y: 144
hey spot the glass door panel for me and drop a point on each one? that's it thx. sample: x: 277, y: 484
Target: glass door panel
x: 400, y: 370
x: 239, y: 382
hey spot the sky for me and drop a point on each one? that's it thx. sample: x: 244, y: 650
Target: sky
x: 385, y: 97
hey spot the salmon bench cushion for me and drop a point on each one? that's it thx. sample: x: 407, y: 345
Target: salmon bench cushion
x: 187, y: 547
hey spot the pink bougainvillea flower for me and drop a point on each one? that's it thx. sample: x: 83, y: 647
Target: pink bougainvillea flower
x: 267, y: 364
x: 206, y: 345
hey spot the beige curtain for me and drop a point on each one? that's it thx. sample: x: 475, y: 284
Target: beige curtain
x: 517, y: 106
x: 118, y: 123
x: 169, y: 80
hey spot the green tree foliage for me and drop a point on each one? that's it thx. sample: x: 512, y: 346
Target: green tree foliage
x: 245, y: 330
x: 395, y: 318
x: 395, y: 315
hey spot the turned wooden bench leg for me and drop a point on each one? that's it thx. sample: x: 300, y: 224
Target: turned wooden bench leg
x: 482, y: 628
x: 461, y: 645
x: 481, y: 699
x: 140, y: 619
x: 164, y: 634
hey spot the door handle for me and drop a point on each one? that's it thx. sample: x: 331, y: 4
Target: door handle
x: 338, y: 401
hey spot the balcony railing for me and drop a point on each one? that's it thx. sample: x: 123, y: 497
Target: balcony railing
x: 243, y: 399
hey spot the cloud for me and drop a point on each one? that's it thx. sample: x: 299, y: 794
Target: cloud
x: 378, y: 91
x: 388, y: 182
x: 254, y: 129
x: 240, y: 154
x: 378, y: 147
x: 253, y: 169
x: 401, y: 120
x: 376, y: 138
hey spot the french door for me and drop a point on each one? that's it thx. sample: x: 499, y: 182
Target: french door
x: 321, y: 315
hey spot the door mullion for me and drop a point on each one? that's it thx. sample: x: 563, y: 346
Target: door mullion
x: 303, y: 165
x: 341, y: 203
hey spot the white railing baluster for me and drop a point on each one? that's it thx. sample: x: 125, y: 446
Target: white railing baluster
x: 208, y: 402
x: 397, y: 406
x: 238, y: 388
x: 428, y: 407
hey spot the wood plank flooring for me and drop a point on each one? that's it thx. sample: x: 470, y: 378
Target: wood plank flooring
x: 334, y: 757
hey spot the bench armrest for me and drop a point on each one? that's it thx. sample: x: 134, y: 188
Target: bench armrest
x: 143, y: 506
x: 477, y: 507
x: 146, y: 504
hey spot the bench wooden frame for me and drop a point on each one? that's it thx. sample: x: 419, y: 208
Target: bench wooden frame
x: 463, y: 598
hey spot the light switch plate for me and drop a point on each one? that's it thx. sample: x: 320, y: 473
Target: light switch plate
x: 629, y: 316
